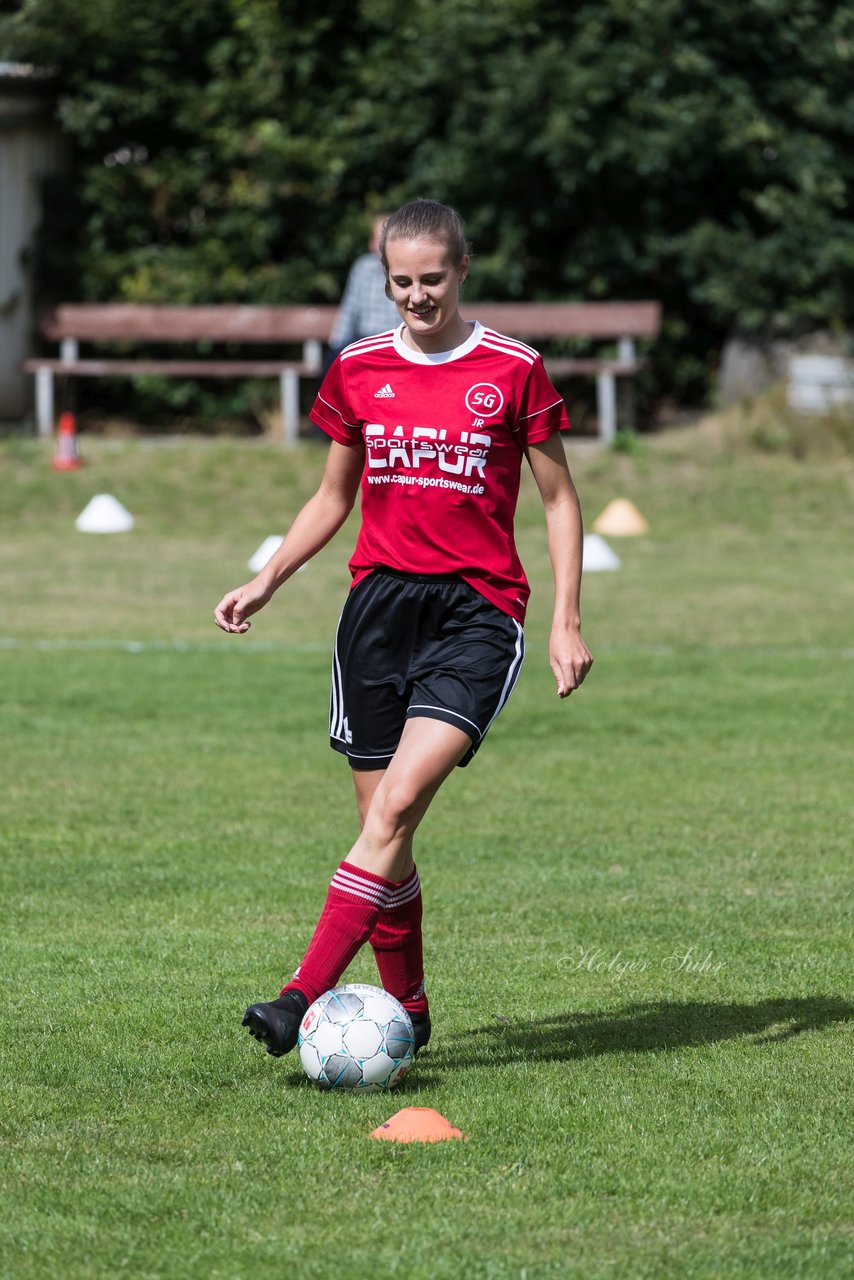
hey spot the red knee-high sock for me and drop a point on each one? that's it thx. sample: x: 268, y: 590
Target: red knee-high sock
x: 350, y: 912
x: 396, y: 942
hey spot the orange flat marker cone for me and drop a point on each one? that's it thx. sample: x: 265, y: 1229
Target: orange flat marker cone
x: 65, y: 455
x: 620, y: 519
x: 418, y: 1124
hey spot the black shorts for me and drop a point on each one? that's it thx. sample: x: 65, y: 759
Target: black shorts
x: 418, y: 645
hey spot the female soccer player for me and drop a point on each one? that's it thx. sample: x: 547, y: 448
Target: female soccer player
x: 432, y: 420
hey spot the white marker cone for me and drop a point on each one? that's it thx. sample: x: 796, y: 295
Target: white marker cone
x: 267, y: 548
x: 104, y: 514
x: 598, y: 556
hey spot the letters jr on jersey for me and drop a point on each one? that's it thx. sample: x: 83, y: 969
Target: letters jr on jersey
x: 444, y: 438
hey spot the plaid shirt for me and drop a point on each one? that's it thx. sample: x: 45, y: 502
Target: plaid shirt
x: 364, y: 309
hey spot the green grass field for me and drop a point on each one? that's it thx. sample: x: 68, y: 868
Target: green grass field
x: 638, y: 909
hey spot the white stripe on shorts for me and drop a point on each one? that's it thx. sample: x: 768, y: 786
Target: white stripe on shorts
x: 449, y: 711
x: 512, y: 674
x: 336, y: 705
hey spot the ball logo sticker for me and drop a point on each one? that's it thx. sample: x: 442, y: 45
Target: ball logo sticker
x: 485, y: 400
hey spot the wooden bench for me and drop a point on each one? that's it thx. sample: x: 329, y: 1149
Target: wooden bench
x: 306, y: 326
x: 615, y: 322
x: 309, y: 327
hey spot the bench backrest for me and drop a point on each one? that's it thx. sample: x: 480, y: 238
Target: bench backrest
x: 569, y: 319
x: 127, y: 321
x: 122, y: 321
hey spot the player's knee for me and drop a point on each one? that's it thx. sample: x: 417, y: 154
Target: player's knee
x: 396, y: 811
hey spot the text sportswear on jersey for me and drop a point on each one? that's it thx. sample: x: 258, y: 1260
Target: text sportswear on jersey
x: 444, y: 439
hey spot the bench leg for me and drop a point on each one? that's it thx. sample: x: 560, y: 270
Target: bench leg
x: 626, y: 402
x: 606, y: 406
x: 312, y: 354
x: 626, y: 396
x: 44, y: 402
x: 289, y: 388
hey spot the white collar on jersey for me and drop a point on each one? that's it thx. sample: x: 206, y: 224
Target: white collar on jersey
x: 437, y: 357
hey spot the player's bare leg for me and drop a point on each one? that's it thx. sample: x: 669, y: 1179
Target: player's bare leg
x: 396, y: 939
x: 366, y: 782
x: 428, y: 751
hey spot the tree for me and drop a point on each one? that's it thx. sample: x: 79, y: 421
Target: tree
x: 696, y: 151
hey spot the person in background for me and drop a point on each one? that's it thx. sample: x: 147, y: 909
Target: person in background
x: 365, y: 307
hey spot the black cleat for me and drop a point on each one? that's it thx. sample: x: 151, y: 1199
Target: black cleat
x: 276, y: 1023
x: 421, y: 1027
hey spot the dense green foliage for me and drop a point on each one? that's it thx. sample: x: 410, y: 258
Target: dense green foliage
x: 696, y: 151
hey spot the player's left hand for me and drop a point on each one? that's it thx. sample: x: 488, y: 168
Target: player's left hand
x: 570, y: 659
x: 232, y: 612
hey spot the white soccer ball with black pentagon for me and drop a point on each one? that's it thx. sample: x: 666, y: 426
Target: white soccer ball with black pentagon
x: 356, y: 1037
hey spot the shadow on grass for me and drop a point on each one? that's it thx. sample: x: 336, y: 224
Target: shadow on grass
x: 653, y: 1027
x: 638, y: 1028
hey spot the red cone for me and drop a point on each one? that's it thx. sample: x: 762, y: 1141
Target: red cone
x: 65, y: 455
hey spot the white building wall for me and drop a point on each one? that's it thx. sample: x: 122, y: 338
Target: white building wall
x: 30, y: 149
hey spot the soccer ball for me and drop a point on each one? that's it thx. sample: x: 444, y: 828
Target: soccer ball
x: 356, y: 1037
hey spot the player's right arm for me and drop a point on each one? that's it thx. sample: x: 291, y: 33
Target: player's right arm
x: 317, y: 522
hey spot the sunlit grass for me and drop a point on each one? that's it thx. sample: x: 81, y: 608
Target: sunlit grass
x: 637, y: 922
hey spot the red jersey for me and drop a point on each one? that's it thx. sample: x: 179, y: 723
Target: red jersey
x: 444, y: 439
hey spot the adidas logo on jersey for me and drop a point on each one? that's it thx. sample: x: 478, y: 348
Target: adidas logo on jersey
x: 384, y: 393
